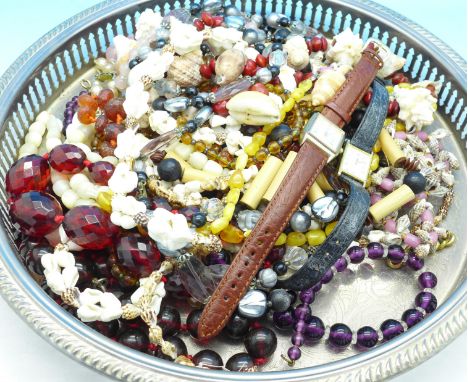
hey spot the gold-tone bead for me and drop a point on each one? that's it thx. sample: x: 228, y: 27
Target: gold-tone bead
x: 104, y: 200
x: 393, y: 265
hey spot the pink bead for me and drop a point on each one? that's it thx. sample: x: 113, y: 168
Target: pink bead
x: 387, y: 184
x: 427, y: 216
x: 434, y: 236
x: 429, y: 156
x: 421, y: 195
x: 400, y: 135
x: 390, y: 226
x: 422, y: 136
x: 374, y: 198
x: 412, y: 240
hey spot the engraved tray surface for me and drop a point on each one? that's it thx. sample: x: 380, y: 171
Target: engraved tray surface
x: 49, y: 73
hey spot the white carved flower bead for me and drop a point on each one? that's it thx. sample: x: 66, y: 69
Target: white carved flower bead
x: 161, y: 122
x: 154, y: 66
x: 346, y: 48
x: 147, y: 24
x: 136, y: 100
x: 124, y: 208
x: 286, y: 76
x: 205, y: 134
x: 129, y: 145
x: 184, y: 37
x: 123, y: 180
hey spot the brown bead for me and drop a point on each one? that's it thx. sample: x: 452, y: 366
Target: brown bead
x: 262, y: 154
x: 285, y: 141
x: 105, y: 149
x: 274, y: 147
x: 212, y: 154
x: 225, y: 158
x: 158, y: 156
x: 296, y: 134
x: 199, y: 146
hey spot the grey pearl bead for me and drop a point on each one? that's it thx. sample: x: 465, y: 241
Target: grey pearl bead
x: 325, y: 209
x: 263, y: 75
x: 267, y: 278
x: 300, y: 221
x: 280, y: 300
x: 250, y: 36
x: 257, y: 19
x: 261, y: 35
x: 297, y: 27
x: 253, y: 304
x: 272, y: 19
x: 231, y: 10
x: 236, y: 22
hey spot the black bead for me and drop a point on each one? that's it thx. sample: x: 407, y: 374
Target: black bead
x: 352, y: 126
x: 281, y: 35
x: 180, y: 348
x: 134, y: 62
x: 341, y: 197
x: 86, y: 270
x: 190, y: 126
x: 199, y: 219
x: 191, y: 91
x: 135, y: 339
x: 108, y: 329
x: 249, y: 130
x: 284, y: 22
x: 280, y: 268
x: 237, y: 326
x: 158, y: 103
x: 197, y: 102
x: 260, y: 343
x: 240, y: 362
x: 169, y: 321
x: 205, y: 48
x: 279, y: 132
x: 275, y: 70
x: 276, y: 46
x: 195, y: 8
x: 259, y: 47
x: 416, y: 181
x: 160, y: 43
x: 33, y: 258
x: 192, y: 322
x: 208, y: 359
x: 169, y: 170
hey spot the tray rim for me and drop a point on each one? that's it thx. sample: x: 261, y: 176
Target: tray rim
x: 82, y: 343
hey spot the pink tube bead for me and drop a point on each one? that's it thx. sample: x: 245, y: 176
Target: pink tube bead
x: 422, y: 136
x: 400, y: 135
x: 387, y: 184
x: 427, y: 216
x: 390, y: 225
x: 412, y: 240
x: 434, y: 236
x: 374, y: 198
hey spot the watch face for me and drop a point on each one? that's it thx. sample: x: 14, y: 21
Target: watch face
x: 355, y: 163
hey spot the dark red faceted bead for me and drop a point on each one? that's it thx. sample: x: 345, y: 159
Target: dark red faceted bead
x: 30, y: 173
x: 67, y: 159
x: 37, y: 213
x: 89, y: 227
x: 138, y: 255
x: 101, y: 172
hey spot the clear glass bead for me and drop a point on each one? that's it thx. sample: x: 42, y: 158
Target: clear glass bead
x: 296, y: 257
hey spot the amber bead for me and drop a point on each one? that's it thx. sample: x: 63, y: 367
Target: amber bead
x: 114, y: 110
x: 236, y: 180
x: 186, y: 138
x: 274, y: 147
x: 199, y: 146
x: 104, y: 97
x: 212, y: 154
x: 262, y: 154
x: 225, y: 157
x: 296, y: 134
x: 181, y: 121
x: 270, y: 87
x: 279, y: 89
x: 232, y: 234
x: 87, y: 100
x: 86, y: 115
x: 285, y: 141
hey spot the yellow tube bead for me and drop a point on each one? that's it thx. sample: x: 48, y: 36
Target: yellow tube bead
x: 306, y: 85
x: 236, y: 180
x: 241, y: 161
x: 289, y: 104
x: 296, y: 239
x: 251, y: 149
x: 104, y: 200
x: 233, y: 195
x: 315, y: 237
x: 377, y: 147
x: 297, y: 94
x: 374, y: 162
x: 259, y: 138
x: 218, y: 225
x: 267, y: 129
x: 228, y: 211
x: 282, y: 115
x: 330, y: 227
x: 281, y: 239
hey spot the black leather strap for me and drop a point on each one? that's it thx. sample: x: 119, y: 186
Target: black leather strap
x: 357, y: 207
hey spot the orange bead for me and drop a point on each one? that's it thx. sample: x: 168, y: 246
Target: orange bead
x: 186, y: 138
x: 87, y: 100
x: 232, y: 235
x: 86, y: 115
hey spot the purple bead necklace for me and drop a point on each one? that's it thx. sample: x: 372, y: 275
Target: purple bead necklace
x: 70, y: 109
x: 312, y: 329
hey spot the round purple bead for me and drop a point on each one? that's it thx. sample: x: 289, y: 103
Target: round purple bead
x: 294, y: 353
x: 356, y: 254
x: 412, y: 317
x: 427, y: 301
x: 341, y: 264
x: 317, y: 287
x: 340, y: 335
x: 327, y: 277
x: 69, y: 105
x: 75, y: 99
x: 284, y: 320
x: 375, y: 250
x: 297, y: 339
x: 300, y: 326
x: 302, y: 312
x: 391, y: 328
x: 396, y: 254
x: 307, y: 296
x: 314, y: 329
x: 414, y: 262
x: 217, y: 258
x: 367, y: 337
x: 427, y: 280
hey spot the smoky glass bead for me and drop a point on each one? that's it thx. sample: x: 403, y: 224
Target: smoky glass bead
x: 169, y: 320
x: 260, y: 343
x: 280, y: 268
x: 250, y: 36
x: 367, y: 337
x: 295, y: 257
x: 267, y: 278
x: 203, y: 114
x: 240, y: 362
x: 236, y: 22
x: 207, y: 359
x: 264, y: 75
x: 247, y: 219
x: 176, y: 104
x: 237, y: 326
x: 277, y: 57
x: 192, y: 322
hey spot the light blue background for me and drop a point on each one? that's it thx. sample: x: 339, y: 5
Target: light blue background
x: 26, y: 357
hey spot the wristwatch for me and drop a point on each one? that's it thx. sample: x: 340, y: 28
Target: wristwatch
x: 322, y: 141
x: 353, y: 171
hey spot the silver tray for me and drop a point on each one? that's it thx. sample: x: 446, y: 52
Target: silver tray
x: 49, y: 73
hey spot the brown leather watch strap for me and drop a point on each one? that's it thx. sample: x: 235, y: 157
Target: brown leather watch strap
x: 308, y: 164
x: 341, y: 106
